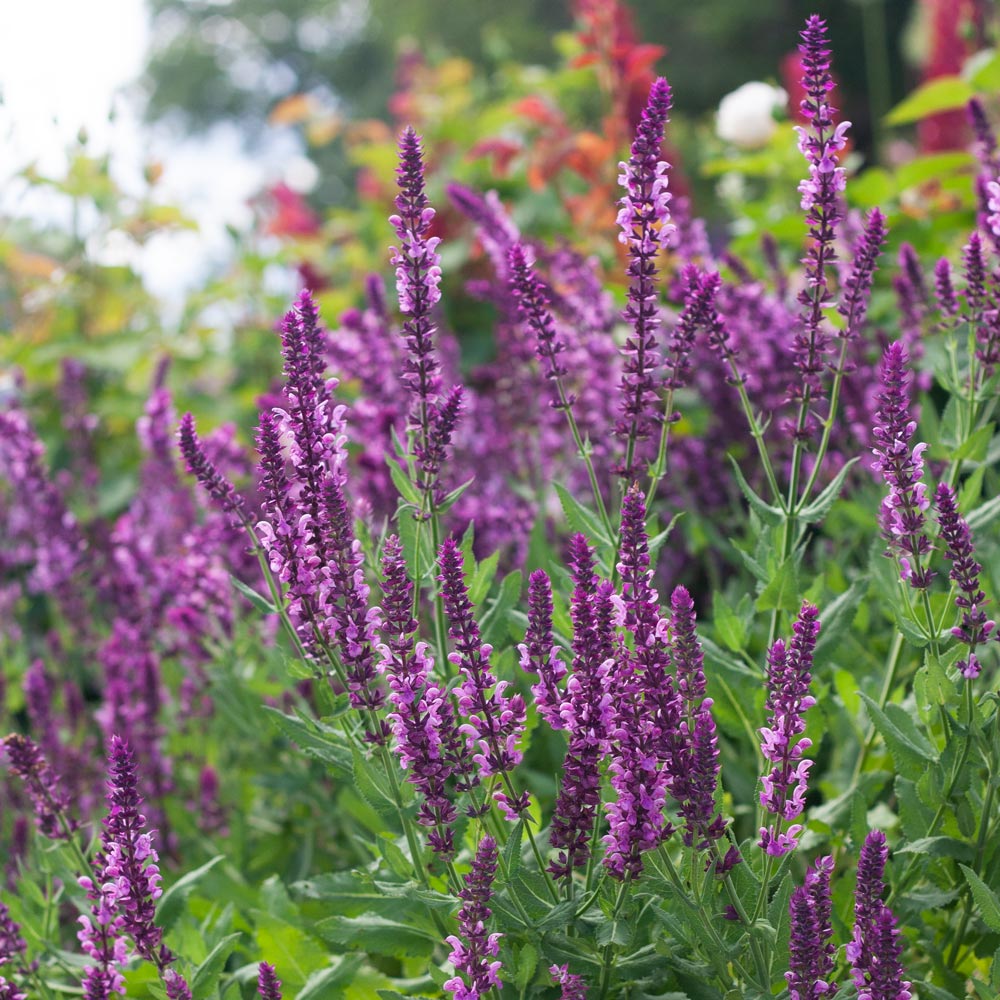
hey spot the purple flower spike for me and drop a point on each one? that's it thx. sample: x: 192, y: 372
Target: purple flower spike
x: 788, y: 677
x: 423, y: 724
x: 886, y: 979
x: 42, y: 785
x: 811, y: 952
x: 220, y: 489
x: 867, y: 905
x: 177, y: 986
x: 975, y: 628
x: 539, y: 654
x: 494, y: 721
x: 644, y: 208
x: 819, y: 143
x: 902, y: 515
x: 268, y: 984
x: 944, y: 290
x: 686, y: 653
x: 8, y: 991
x: 857, y: 291
x: 473, y: 957
x: 533, y: 308
x: 418, y: 276
x: 573, y: 986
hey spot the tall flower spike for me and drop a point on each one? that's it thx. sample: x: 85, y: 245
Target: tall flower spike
x: 902, y: 514
x: 268, y: 984
x: 853, y: 304
x: 43, y: 787
x: 886, y: 980
x: 493, y: 721
x: 819, y: 143
x: 422, y: 720
x: 811, y: 952
x: 975, y: 628
x: 539, y: 654
x: 788, y: 678
x: 176, y: 986
x: 867, y: 906
x: 220, y: 489
x: 474, y: 957
x: 944, y: 291
x: 418, y: 276
x: 644, y: 221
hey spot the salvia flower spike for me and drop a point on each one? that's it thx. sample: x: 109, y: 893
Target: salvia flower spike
x: 268, y: 984
x: 810, y: 966
x: 645, y: 229
x: 784, y: 787
x: 474, y: 950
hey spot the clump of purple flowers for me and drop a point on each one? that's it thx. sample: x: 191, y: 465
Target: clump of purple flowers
x: 810, y: 967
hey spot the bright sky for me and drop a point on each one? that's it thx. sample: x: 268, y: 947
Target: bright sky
x: 71, y: 63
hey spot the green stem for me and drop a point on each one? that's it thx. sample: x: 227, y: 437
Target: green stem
x: 609, y: 949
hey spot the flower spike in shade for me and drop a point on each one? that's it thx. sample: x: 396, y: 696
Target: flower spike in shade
x: 573, y: 986
x: 47, y: 796
x: 202, y: 468
x: 644, y: 219
x: 472, y: 957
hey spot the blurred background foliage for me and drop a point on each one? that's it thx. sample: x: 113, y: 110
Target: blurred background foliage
x: 534, y: 99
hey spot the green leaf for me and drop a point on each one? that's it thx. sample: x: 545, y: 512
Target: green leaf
x: 206, y: 977
x: 479, y: 585
x: 297, y: 954
x: 939, y: 847
x: 329, y: 983
x: 446, y: 503
x: 370, y: 784
x: 782, y: 591
x: 765, y: 511
x: 945, y: 93
x: 261, y: 603
x: 512, y: 849
x: 986, y: 899
x: 657, y: 541
x: 314, y: 740
x: 728, y: 625
x: 170, y: 904
x: 819, y: 508
x: 496, y: 621
x: 987, y: 514
x: 405, y: 487
x: 527, y: 962
x: 377, y: 935
x: 909, y: 748
x: 579, y: 518
x: 975, y: 446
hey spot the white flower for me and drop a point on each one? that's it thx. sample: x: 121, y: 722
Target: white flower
x: 746, y: 116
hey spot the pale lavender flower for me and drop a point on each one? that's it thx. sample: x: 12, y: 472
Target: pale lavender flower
x: 474, y: 951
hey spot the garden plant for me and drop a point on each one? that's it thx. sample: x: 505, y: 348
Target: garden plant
x: 649, y: 657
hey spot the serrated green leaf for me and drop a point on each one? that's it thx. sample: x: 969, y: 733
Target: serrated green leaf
x: 512, y: 849
x: 945, y: 93
x: 659, y: 539
x: 377, y: 935
x: 449, y: 499
x: 326, y: 984
x: 206, y: 977
x: 482, y: 578
x: 527, y: 962
x: 782, y: 590
x: 939, y: 847
x: 728, y: 625
x: 579, y: 518
x: 909, y: 749
x: 313, y: 739
x: 494, y: 625
x: 769, y: 514
x: 259, y: 601
x: 819, y: 508
x: 370, y: 784
x: 171, y: 903
x: 984, y: 515
x: 975, y: 446
x: 985, y: 898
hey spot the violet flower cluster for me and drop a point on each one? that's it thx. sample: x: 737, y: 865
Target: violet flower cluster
x: 783, y: 788
x: 474, y: 949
